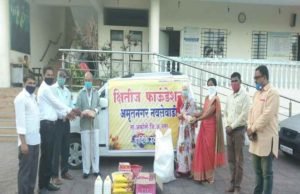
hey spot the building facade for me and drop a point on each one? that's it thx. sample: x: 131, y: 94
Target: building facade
x: 236, y: 29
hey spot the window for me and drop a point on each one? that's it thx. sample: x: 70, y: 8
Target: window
x: 116, y: 35
x: 135, y: 41
x: 259, y: 45
x: 214, y: 43
x: 117, y: 42
x: 261, y: 41
x: 295, y: 50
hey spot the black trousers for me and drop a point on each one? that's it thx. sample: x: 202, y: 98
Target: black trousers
x: 47, y: 132
x: 61, y: 150
x: 28, y: 165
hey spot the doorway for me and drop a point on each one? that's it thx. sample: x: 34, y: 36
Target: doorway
x: 170, y: 43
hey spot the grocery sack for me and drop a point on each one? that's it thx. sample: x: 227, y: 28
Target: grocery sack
x: 164, y: 156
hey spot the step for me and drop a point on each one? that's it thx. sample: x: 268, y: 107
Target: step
x: 7, y: 123
x: 8, y: 139
x: 7, y: 115
x: 8, y: 135
x: 8, y: 131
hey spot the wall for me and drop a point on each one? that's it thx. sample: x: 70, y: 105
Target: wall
x: 47, y: 22
x: 5, y: 45
x: 216, y: 15
x: 131, y: 4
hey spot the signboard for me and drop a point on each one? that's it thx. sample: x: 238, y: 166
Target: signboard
x: 191, y: 42
x: 138, y: 107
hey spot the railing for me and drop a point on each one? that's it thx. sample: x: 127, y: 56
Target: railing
x: 198, y: 74
x: 51, y: 42
x: 199, y: 77
x: 283, y: 74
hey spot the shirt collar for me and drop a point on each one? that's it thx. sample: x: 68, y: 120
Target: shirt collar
x: 44, y: 84
x: 84, y: 89
x: 57, y: 86
x: 267, y: 87
x: 27, y: 93
x: 239, y: 92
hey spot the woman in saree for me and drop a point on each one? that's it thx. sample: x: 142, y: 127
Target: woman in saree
x: 209, y: 151
x: 185, y: 144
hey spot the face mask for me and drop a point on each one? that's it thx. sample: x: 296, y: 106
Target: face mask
x: 88, y: 85
x: 212, y: 90
x: 61, y: 81
x: 30, y: 89
x: 235, y: 87
x: 185, y: 93
x: 258, y: 86
x: 49, y: 81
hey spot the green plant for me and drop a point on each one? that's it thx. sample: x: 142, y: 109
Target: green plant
x: 76, y: 74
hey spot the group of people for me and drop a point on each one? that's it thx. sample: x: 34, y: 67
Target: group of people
x: 43, y: 123
x: 198, y: 157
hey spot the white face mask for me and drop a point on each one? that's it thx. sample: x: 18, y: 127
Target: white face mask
x: 212, y: 91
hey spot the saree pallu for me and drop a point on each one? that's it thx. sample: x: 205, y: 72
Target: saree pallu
x: 209, y: 151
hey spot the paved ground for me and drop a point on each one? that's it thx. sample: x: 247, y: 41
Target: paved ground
x: 286, y: 176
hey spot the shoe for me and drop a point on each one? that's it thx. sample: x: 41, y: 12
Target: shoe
x: 96, y: 174
x: 178, y: 175
x: 67, y: 176
x: 230, y: 189
x: 236, y: 191
x: 57, y: 181
x: 52, y: 187
x: 42, y: 191
x: 85, y: 176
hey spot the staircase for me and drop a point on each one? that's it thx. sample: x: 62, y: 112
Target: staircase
x: 7, y: 114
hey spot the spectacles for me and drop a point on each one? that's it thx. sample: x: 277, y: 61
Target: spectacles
x: 257, y: 77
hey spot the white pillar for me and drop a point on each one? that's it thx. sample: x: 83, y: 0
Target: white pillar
x: 154, y: 30
x: 5, y: 44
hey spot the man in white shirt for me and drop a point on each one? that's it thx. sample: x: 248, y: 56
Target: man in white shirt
x: 28, y: 126
x: 236, y: 114
x: 62, y: 131
x: 49, y: 105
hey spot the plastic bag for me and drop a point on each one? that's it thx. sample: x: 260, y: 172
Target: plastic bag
x: 164, y: 156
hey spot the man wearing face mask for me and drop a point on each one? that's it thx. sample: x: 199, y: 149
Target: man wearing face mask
x: 28, y: 125
x: 88, y: 102
x: 62, y: 131
x: 236, y: 113
x: 49, y: 105
x: 263, y: 130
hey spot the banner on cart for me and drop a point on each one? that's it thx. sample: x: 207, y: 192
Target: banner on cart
x: 139, y: 107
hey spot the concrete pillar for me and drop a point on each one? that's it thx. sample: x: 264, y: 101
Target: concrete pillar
x: 5, y: 44
x: 154, y: 31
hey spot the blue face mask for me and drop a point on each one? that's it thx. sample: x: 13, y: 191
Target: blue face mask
x: 258, y: 86
x: 61, y: 81
x: 88, y: 85
x: 185, y: 93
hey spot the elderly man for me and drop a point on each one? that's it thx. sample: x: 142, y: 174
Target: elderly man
x: 28, y: 125
x: 263, y: 130
x: 89, y: 104
x: 236, y: 113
